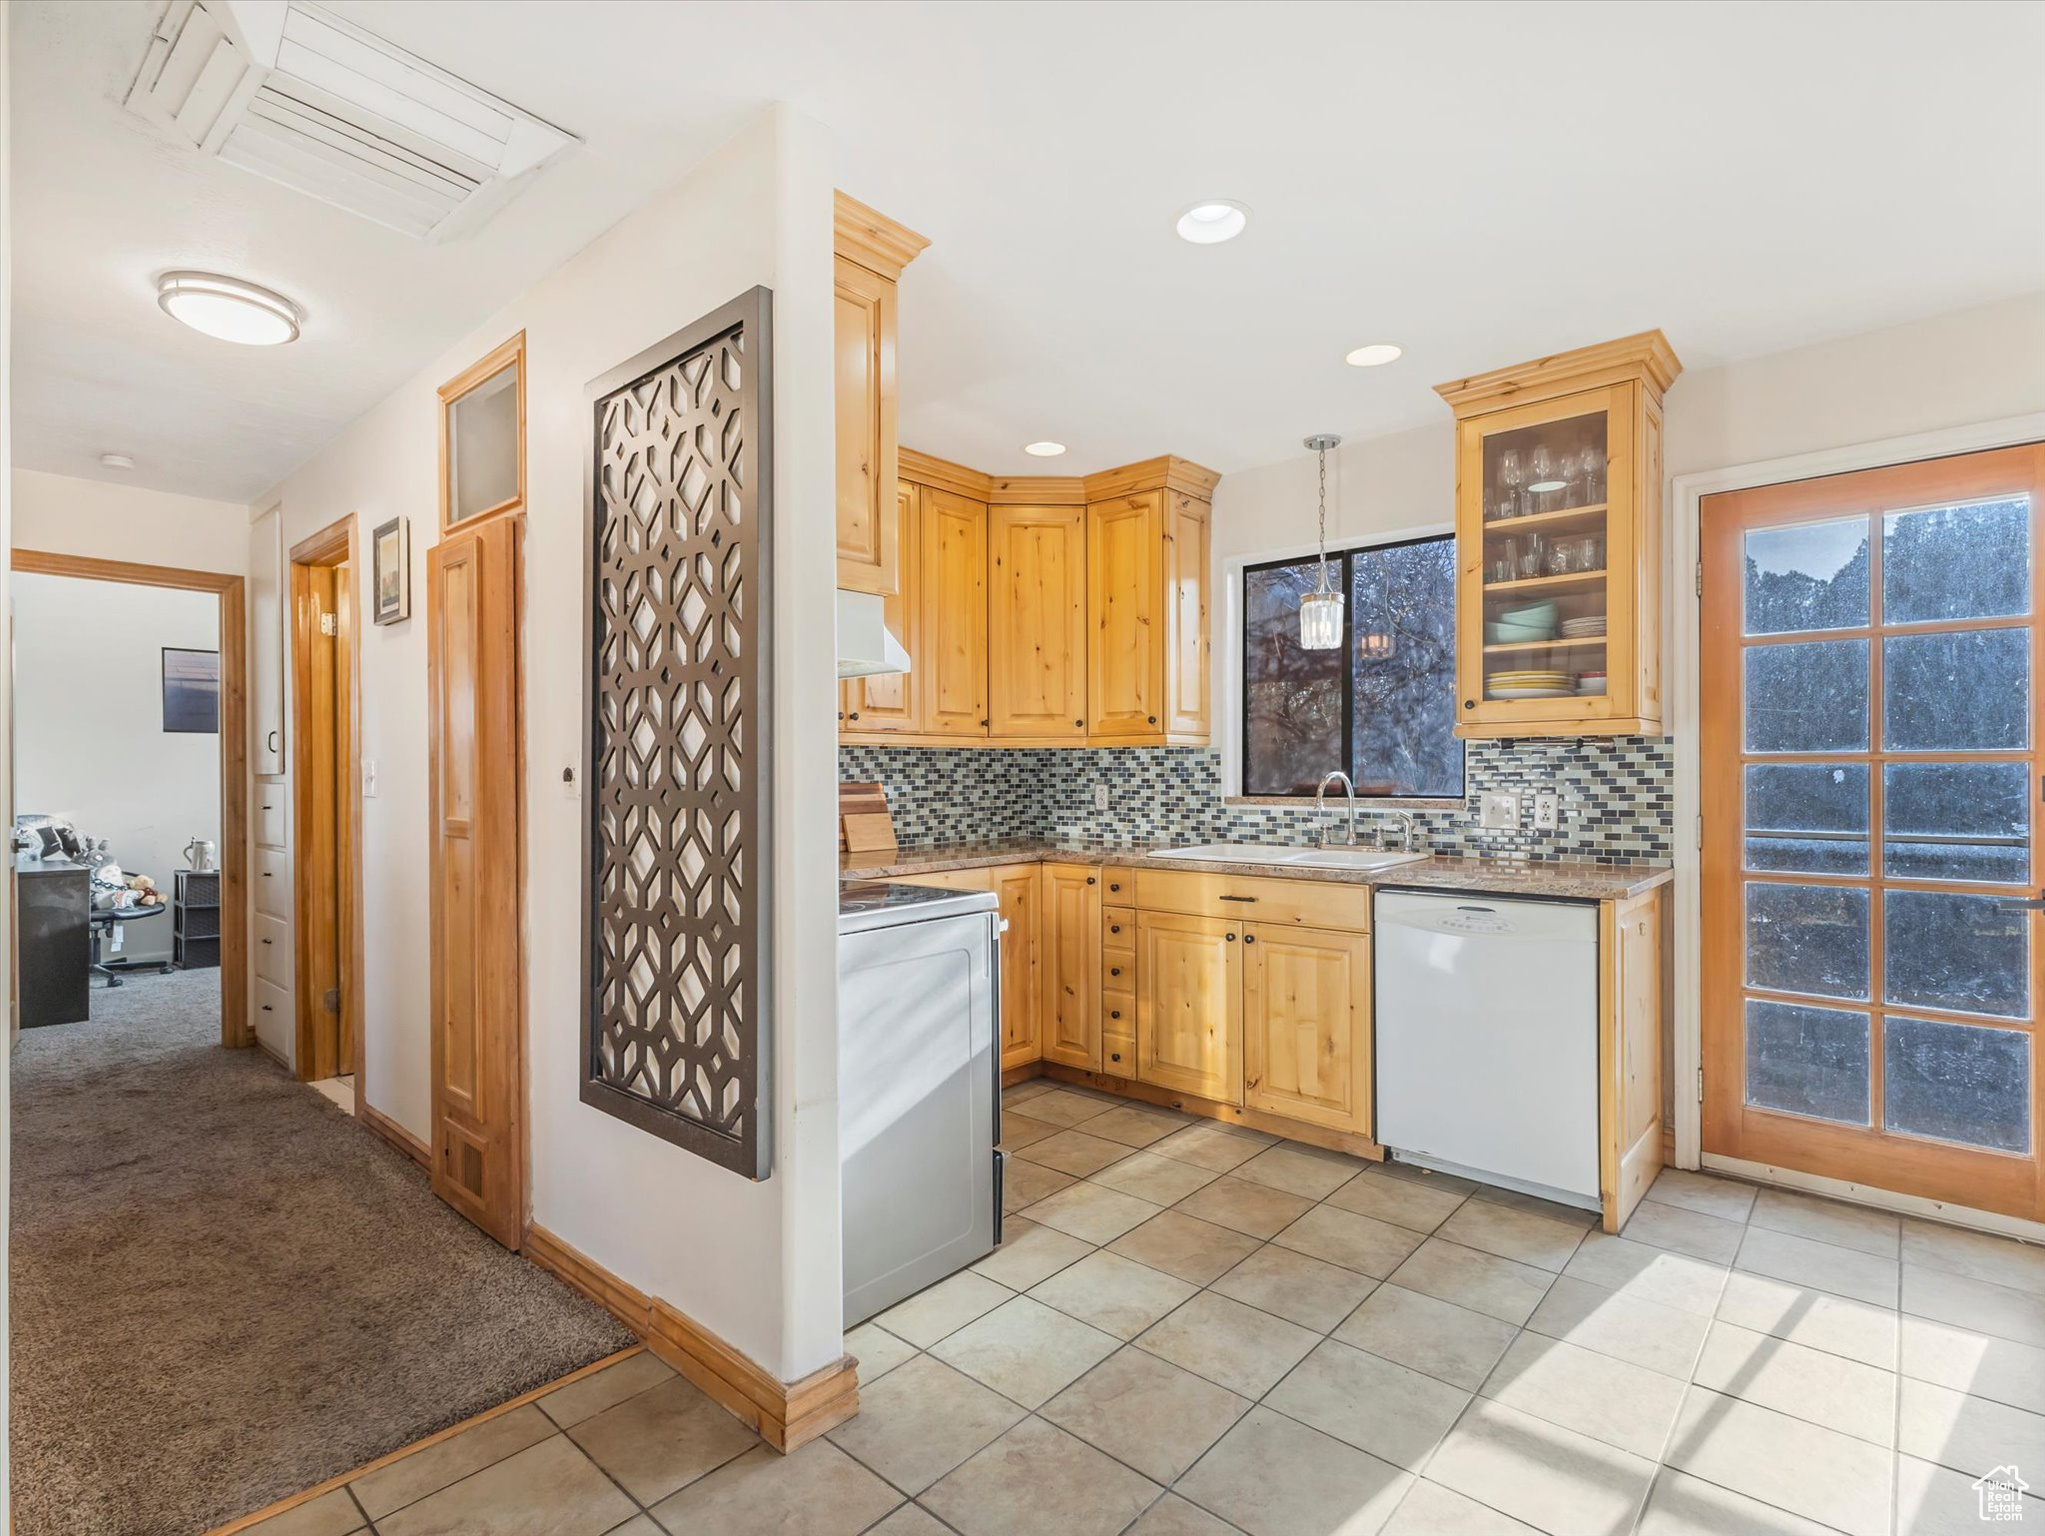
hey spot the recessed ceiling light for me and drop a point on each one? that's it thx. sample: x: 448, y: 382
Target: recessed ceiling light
x: 1044, y: 450
x: 1374, y: 355
x: 228, y: 308
x: 116, y: 461
x: 1213, y: 221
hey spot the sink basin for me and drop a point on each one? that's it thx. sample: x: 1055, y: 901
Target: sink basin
x: 1354, y: 858
x: 1266, y: 853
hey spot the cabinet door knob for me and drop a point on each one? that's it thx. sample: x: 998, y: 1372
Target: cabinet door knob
x: 1115, y: 970
x: 1231, y: 938
x: 1114, y: 1013
x: 1114, y: 927
x: 1469, y: 703
x: 1249, y: 938
x: 1114, y: 885
x: 1089, y: 879
x: 1153, y: 719
x: 1115, y: 1056
x: 855, y: 715
x: 1079, y: 725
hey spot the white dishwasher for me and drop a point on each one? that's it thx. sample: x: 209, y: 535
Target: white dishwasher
x: 1487, y: 1039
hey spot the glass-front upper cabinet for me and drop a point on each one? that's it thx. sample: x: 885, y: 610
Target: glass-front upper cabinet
x: 1558, y: 543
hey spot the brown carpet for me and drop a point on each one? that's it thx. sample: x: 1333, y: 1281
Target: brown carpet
x: 225, y: 1290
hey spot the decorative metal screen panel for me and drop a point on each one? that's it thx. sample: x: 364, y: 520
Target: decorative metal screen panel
x: 676, y: 773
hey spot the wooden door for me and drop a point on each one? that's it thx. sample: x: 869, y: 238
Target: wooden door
x: 1070, y: 993
x: 1306, y: 1025
x: 953, y: 637
x: 886, y: 703
x: 868, y: 555
x: 1125, y: 586
x: 1187, y: 679
x: 1189, y: 1009
x: 1020, y: 887
x: 477, y: 870
x: 322, y: 729
x: 1869, y: 737
x: 1036, y: 631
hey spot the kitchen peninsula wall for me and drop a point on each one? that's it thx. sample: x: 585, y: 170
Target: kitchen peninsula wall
x: 1618, y: 797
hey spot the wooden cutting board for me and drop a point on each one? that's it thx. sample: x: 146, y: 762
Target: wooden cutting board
x: 864, y: 825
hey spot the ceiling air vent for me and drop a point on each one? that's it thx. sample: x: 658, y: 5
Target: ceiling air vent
x: 303, y: 98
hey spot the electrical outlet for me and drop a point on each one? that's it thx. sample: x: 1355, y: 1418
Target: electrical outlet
x: 1100, y: 797
x: 1547, y: 810
x: 1500, y: 809
x: 368, y: 779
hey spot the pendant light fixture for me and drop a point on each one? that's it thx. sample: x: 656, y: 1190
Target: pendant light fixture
x: 1320, y: 611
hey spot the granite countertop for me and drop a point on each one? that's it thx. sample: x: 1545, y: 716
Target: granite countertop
x: 1565, y: 879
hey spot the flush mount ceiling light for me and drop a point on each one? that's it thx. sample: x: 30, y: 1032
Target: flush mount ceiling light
x: 1320, y: 611
x: 228, y: 308
x: 116, y: 461
x: 1376, y: 355
x: 1044, y: 450
x: 1213, y: 221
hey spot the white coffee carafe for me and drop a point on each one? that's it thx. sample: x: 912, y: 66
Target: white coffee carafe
x: 199, y: 853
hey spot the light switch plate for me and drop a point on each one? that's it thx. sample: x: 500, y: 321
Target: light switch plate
x: 368, y: 780
x: 1547, y: 811
x: 1499, y: 809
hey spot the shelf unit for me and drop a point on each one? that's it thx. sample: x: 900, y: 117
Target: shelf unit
x: 1582, y: 429
x: 195, y: 920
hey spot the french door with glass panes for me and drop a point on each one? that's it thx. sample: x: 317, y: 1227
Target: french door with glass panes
x: 1872, y: 775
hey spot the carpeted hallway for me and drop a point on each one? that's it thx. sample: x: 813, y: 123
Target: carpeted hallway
x: 225, y: 1290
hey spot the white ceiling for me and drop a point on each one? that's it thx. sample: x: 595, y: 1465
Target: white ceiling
x: 1480, y: 183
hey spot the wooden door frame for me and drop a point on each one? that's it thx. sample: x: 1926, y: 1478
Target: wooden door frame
x: 336, y: 544
x: 234, y: 750
x: 1687, y: 493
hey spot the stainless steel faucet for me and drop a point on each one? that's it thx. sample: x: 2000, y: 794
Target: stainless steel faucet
x: 1321, y: 807
x: 1406, y: 832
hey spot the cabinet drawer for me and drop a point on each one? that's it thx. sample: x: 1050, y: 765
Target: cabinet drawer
x: 1250, y: 899
x: 1118, y: 884
x: 273, y: 950
x: 1118, y: 1013
x: 1118, y: 928
x: 1118, y: 1055
x: 1118, y: 970
x: 273, y: 883
x: 270, y: 815
x: 272, y: 1017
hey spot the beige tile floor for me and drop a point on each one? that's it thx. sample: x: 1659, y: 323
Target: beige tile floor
x: 1193, y: 1330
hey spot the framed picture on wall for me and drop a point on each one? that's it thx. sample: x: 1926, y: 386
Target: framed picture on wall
x: 191, y: 692
x: 390, y: 559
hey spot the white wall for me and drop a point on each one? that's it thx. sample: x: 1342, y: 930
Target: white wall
x: 89, y: 742
x: 6, y: 685
x: 757, y: 1264
x: 56, y: 514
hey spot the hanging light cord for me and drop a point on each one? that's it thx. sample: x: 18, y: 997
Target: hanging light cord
x: 1323, y: 455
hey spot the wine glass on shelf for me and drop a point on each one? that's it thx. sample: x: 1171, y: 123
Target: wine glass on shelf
x: 1511, y: 475
x: 1542, y: 480
x: 1591, y: 465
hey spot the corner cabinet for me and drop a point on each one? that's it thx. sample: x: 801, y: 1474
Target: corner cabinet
x: 1147, y: 589
x: 1036, y: 629
x: 1558, y: 543
x: 871, y: 251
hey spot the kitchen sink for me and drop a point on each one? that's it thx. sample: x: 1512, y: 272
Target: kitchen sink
x: 1267, y: 853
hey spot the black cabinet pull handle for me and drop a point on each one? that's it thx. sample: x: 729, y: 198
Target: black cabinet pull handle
x: 1153, y: 720
x: 266, y: 941
x: 266, y: 1007
x: 1114, y: 1013
x: 1249, y: 938
x: 1250, y: 899
x: 1115, y: 970
x: 1231, y: 938
x: 1089, y: 879
x: 1469, y: 703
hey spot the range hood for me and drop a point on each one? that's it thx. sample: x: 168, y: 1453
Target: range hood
x: 865, y: 647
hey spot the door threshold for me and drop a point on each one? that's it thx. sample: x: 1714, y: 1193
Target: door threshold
x: 1881, y: 1199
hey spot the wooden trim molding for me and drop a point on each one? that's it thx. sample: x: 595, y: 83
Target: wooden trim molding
x: 928, y: 469
x: 1169, y: 473
x: 871, y: 238
x: 582, y: 1274
x: 389, y: 1129
x: 1165, y: 473
x: 306, y: 1496
x: 234, y: 751
x: 509, y: 354
x: 1646, y: 356
x: 787, y: 1415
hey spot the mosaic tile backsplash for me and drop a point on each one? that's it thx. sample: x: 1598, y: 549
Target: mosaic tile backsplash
x: 1618, y: 797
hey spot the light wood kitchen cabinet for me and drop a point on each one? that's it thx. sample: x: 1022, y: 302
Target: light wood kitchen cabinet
x: 1148, y: 646
x: 1036, y: 641
x: 1021, y: 890
x: 888, y: 702
x: 1069, y: 1017
x: 1189, y: 1006
x: 1630, y: 936
x: 952, y: 629
x: 871, y: 251
x: 1306, y: 1025
x: 1558, y: 543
